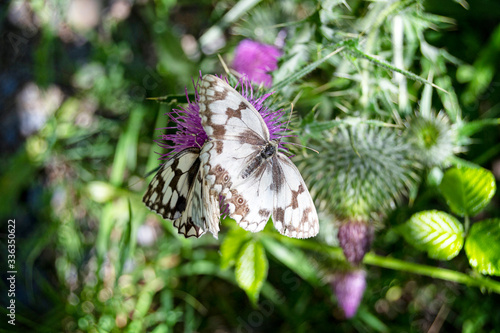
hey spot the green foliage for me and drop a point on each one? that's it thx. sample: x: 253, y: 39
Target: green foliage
x: 231, y: 247
x: 391, y: 93
x: 294, y: 259
x: 467, y: 190
x: 438, y: 233
x: 251, y: 269
x: 483, y: 246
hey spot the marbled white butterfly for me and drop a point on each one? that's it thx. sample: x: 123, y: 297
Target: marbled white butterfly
x: 243, y: 164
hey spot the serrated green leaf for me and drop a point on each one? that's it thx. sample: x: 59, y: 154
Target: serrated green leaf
x: 438, y: 233
x: 470, y: 128
x: 309, y: 68
x: 231, y: 246
x: 467, y: 190
x: 251, y: 269
x: 483, y: 246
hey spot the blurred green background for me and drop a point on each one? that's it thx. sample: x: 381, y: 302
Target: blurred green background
x: 76, y: 143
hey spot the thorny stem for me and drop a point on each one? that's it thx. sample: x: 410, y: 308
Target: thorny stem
x: 401, y: 265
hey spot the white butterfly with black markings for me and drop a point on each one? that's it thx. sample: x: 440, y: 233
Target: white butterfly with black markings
x: 245, y: 166
x: 180, y: 192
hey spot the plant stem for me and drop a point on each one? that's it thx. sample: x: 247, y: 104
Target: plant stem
x: 434, y: 272
x: 401, y: 265
x: 385, y: 64
x: 466, y: 224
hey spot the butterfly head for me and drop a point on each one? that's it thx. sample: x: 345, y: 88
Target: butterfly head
x: 269, y: 150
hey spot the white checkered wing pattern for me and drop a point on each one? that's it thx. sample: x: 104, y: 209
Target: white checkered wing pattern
x: 179, y: 192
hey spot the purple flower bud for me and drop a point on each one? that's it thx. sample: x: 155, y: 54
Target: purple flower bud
x: 355, y: 238
x: 349, y: 288
x: 256, y: 60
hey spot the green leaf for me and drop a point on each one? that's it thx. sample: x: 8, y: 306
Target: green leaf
x: 309, y: 68
x: 470, y: 128
x: 483, y: 246
x: 231, y: 246
x: 293, y: 258
x: 438, y: 233
x: 467, y: 190
x: 385, y: 64
x: 251, y: 269
x: 320, y: 126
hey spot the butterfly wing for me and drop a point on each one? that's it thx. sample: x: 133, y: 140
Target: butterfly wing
x: 192, y: 221
x: 294, y: 213
x: 226, y: 115
x: 211, y: 206
x: 236, y: 129
x: 202, y: 210
x: 179, y: 192
x: 169, y: 189
x: 249, y: 200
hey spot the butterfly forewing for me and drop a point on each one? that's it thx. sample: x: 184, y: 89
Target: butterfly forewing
x: 226, y: 115
x: 243, y: 165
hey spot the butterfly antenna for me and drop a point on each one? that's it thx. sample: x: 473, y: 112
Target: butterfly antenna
x: 223, y: 63
x: 299, y: 145
x: 287, y: 122
x: 292, y: 143
x: 196, y: 140
x: 152, y: 171
x: 146, y: 176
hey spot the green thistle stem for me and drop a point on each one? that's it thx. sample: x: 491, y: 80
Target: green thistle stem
x: 309, y: 68
x: 400, y: 265
x: 466, y: 224
x: 385, y: 64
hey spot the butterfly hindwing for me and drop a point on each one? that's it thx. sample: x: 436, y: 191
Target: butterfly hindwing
x: 192, y: 221
x: 243, y: 165
x: 294, y: 213
x: 249, y: 200
x: 202, y: 210
x: 168, y: 191
x: 179, y: 192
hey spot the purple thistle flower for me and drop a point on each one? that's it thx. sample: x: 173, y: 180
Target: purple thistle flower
x: 355, y: 238
x: 189, y: 131
x: 256, y: 60
x: 349, y: 288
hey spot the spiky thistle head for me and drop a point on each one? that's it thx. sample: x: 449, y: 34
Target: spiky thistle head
x: 363, y: 171
x: 433, y: 138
